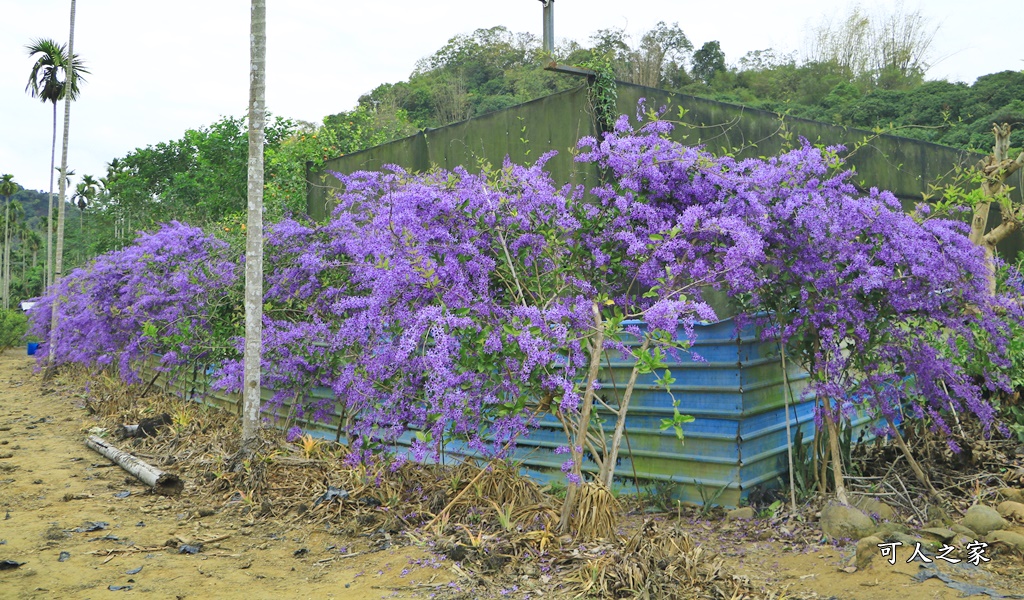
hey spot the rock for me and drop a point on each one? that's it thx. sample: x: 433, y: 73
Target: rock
x: 910, y: 541
x: 867, y: 549
x: 967, y: 531
x: 1011, y: 494
x: 740, y: 514
x: 961, y: 540
x: 872, y: 507
x: 983, y: 519
x: 845, y: 522
x: 937, y: 517
x: 1010, y: 538
x: 940, y: 534
x: 1014, y: 511
x: 884, y: 530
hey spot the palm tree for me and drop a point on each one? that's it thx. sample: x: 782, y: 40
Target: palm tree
x: 254, y: 233
x: 33, y: 244
x: 48, y: 81
x: 85, y: 194
x: 18, y: 226
x: 81, y: 198
x: 58, y: 259
x: 92, y: 184
x: 67, y: 178
x: 115, y: 169
x: 7, y: 189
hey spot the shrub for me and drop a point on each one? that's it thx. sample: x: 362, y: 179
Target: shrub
x: 13, y: 328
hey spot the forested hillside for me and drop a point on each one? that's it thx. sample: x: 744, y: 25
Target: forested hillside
x: 495, y: 68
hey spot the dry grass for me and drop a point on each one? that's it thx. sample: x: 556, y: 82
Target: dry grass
x: 502, y: 524
x: 656, y: 562
x: 596, y: 513
x: 502, y: 484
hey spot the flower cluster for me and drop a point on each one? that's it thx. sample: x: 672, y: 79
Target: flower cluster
x: 883, y: 308
x: 454, y: 305
x: 162, y: 295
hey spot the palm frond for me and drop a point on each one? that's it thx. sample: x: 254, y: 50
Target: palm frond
x: 51, y: 71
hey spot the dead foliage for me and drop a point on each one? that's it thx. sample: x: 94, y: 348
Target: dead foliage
x: 972, y: 475
x: 658, y: 561
x: 497, y: 523
x: 596, y: 512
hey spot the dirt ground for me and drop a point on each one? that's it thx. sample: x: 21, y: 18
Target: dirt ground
x: 81, y: 528
x: 44, y: 460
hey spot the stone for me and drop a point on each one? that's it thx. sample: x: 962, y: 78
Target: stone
x: 1010, y: 538
x: 873, y: 507
x: 867, y: 549
x: 967, y: 531
x: 940, y: 534
x: 845, y: 522
x: 910, y: 541
x: 937, y: 517
x: 982, y: 519
x: 1011, y: 510
x: 740, y: 514
x: 1011, y: 494
x: 884, y: 530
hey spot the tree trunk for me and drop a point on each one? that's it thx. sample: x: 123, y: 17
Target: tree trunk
x: 254, y: 231
x: 166, y: 484
x: 837, y: 456
x: 608, y: 468
x: 6, y: 277
x: 787, y: 401
x: 48, y: 266
x: 996, y: 169
x: 58, y: 259
x: 572, y: 492
x: 7, y: 254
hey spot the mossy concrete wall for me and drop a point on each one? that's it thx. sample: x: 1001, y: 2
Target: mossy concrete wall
x: 908, y: 168
x: 521, y: 132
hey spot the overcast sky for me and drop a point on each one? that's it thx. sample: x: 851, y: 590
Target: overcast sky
x: 159, y: 68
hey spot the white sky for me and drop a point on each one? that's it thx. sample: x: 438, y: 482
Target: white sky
x: 159, y: 68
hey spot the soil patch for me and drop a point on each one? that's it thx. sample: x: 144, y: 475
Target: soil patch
x: 77, y: 526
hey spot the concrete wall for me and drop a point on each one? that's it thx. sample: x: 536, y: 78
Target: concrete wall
x: 904, y: 166
x: 521, y: 132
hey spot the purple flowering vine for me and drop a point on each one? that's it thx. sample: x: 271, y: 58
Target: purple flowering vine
x: 457, y: 306
x: 164, y: 298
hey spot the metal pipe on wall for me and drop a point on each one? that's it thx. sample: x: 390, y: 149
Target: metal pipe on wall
x: 549, y: 25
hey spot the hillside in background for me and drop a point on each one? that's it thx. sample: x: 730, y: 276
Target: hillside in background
x: 494, y: 68
x: 33, y: 202
x: 864, y: 72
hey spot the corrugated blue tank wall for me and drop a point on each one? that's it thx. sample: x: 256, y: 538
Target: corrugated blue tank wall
x: 737, y: 441
x: 734, y: 389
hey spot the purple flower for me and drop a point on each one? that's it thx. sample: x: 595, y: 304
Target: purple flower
x: 447, y: 306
